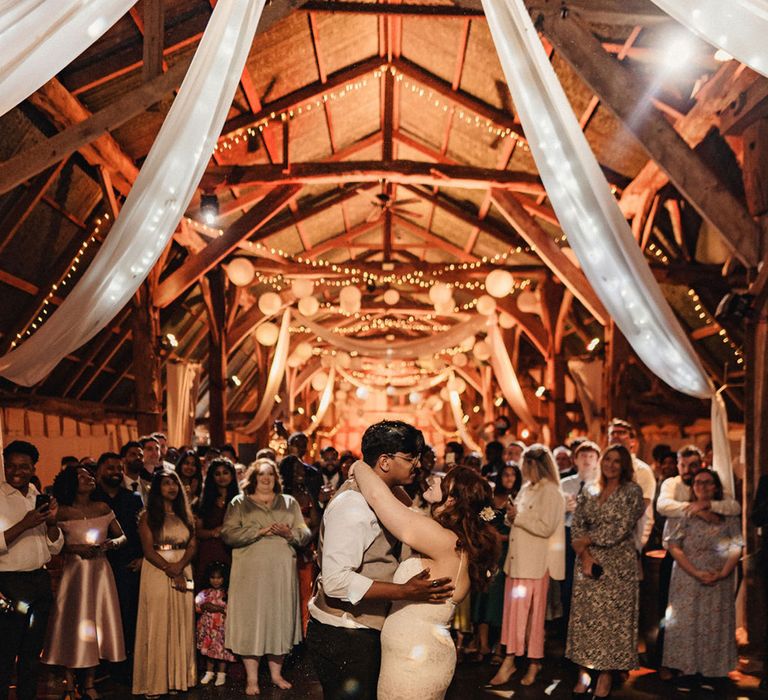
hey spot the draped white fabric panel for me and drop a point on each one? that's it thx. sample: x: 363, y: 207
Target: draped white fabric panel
x: 506, y: 377
x: 157, y: 200
x: 395, y: 350
x: 182, y: 386
x: 423, y: 385
x: 739, y: 27
x: 325, y: 401
x: 41, y: 37
x: 457, y: 411
x: 586, y: 209
x: 275, y: 376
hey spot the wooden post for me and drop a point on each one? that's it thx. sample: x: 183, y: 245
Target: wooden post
x: 616, y: 365
x: 552, y: 300
x: 145, y: 324
x: 217, y: 356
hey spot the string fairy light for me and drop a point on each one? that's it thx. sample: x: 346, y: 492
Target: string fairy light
x: 709, y: 320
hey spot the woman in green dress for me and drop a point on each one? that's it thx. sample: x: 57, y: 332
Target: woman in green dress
x: 264, y: 527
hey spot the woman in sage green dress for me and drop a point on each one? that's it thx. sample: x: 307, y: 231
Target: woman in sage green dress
x: 264, y: 527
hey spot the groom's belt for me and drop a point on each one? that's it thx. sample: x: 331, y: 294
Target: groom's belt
x: 370, y: 613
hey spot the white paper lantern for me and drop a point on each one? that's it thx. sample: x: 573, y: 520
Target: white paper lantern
x: 391, y: 297
x: 528, y: 303
x: 294, y: 361
x: 343, y: 360
x: 270, y: 303
x: 468, y: 343
x: 460, y: 360
x: 240, y: 272
x: 459, y: 385
x: 486, y: 305
x: 319, y: 381
x: 326, y: 361
x: 482, y: 351
x: 505, y: 320
x: 304, y: 350
x: 441, y: 293
x: 499, y: 283
x: 437, y: 405
x: 267, y: 334
x: 444, y: 394
x: 302, y: 287
x: 414, y: 397
x: 308, y: 306
x: 349, y: 299
x: 362, y: 393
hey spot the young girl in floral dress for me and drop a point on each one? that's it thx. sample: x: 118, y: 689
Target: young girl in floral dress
x: 211, y: 605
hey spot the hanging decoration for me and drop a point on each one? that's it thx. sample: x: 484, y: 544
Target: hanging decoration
x: 302, y: 287
x: 183, y: 379
x: 391, y: 297
x: 324, y: 403
x: 499, y: 283
x: 159, y: 196
x: 308, y: 306
x: 486, y: 305
x: 507, y: 378
x: 240, y: 272
x: 350, y: 299
x: 590, y: 216
x: 459, y: 417
x: 274, y: 378
x: 270, y: 303
x: 267, y: 334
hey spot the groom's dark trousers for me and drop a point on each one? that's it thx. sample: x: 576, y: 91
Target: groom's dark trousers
x: 346, y: 660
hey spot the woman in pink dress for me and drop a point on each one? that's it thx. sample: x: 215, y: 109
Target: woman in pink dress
x: 85, y: 624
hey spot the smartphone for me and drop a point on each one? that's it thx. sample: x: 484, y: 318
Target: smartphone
x: 43, y: 500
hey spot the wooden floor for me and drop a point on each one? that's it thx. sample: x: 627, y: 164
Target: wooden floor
x: 556, y: 680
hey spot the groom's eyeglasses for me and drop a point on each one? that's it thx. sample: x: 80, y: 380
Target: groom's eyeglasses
x: 414, y: 461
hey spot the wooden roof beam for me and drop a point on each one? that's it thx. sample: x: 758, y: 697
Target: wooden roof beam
x: 570, y: 275
x: 615, y: 86
x: 403, y: 172
x: 433, y: 240
x: 195, y: 266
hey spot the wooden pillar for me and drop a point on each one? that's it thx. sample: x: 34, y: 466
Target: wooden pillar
x: 756, y: 424
x: 616, y: 365
x: 217, y: 355
x: 552, y: 299
x: 145, y: 324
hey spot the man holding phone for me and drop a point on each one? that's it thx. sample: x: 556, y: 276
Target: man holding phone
x: 29, y: 536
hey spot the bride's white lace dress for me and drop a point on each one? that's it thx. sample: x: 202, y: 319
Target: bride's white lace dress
x: 418, y: 656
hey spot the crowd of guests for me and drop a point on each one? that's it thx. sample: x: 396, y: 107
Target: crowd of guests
x: 174, y: 559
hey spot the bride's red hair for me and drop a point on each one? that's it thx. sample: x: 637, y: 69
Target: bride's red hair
x: 471, y: 494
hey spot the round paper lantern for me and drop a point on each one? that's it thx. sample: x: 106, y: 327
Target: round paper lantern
x: 302, y: 287
x: 459, y: 385
x: 460, y: 360
x: 270, y: 303
x: 343, y: 360
x: 308, y: 306
x: 391, y: 297
x: 528, y: 303
x: 240, y: 272
x: 486, y: 305
x: 482, y: 351
x: 326, y: 361
x: 444, y: 308
x: 468, y: 343
x: 445, y: 394
x: 294, y: 361
x: 362, y: 393
x: 304, y: 350
x: 349, y: 299
x: 319, y: 381
x: 440, y: 293
x: 267, y: 334
x: 505, y: 320
x: 414, y: 397
x: 437, y: 405
x: 499, y: 283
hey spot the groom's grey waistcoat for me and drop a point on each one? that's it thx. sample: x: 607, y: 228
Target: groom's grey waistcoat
x: 380, y: 561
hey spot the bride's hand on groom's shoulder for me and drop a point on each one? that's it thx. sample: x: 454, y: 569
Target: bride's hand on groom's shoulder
x: 351, y: 474
x: 425, y: 590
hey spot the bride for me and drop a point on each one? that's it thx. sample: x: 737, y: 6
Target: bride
x: 418, y: 656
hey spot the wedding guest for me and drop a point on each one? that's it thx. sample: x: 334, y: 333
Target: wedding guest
x: 126, y: 560
x: 153, y: 454
x: 494, y: 459
x: 564, y: 461
x: 513, y: 452
x: 211, y: 606
x: 190, y: 471
x: 346, y: 460
x: 164, y: 657
x: 29, y: 535
x: 602, y: 630
x: 700, y: 623
x: 330, y: 473
x: 132, y: 455
x: 264, y: 527
x: 488, y: 606
x: 293, y: 485
x: 454, y: 454
x: 218, y: 491
x: 85, y: 624
x: 586, y: 458
x: 535, y: 554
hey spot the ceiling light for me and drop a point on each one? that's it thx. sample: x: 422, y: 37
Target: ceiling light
x: 209, y: 208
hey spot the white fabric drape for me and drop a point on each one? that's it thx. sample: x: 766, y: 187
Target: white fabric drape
x: 275, y: 376
x: 588, y: 212
x: 41, y: 37
x: 157, y: 200
x: 507, y: 378
x: 183, y: 380
x: 457, y: 411
x: 402, y: 349
x: 423, y: 385
x: 325, y: 401
x: 739, y: 27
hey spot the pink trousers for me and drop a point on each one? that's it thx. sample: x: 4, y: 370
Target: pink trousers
x: 525, y: 608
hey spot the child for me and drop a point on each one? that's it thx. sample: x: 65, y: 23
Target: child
x: 211, y: 605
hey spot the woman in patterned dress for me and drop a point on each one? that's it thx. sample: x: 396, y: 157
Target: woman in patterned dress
x: 602, y: 631
x: 700, y: 623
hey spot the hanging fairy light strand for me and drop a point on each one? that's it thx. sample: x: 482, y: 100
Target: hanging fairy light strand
x: 709, y: 320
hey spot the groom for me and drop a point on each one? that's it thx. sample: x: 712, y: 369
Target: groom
x: 358, y: 559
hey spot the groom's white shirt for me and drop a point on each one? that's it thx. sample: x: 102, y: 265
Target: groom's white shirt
x: 350, y: 528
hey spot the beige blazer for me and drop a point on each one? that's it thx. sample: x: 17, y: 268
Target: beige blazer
x: 537, y: 538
